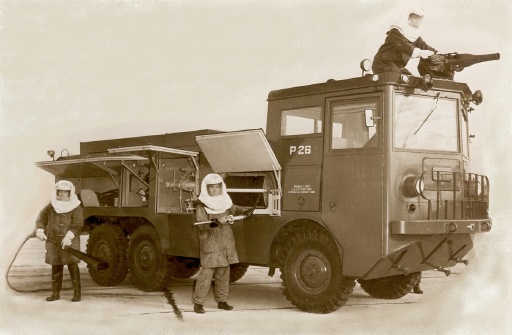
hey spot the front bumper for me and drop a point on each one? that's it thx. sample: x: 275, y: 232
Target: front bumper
x: 434, y: 252
x: 430, y: 227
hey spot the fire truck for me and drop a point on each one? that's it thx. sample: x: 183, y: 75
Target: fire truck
x: 365, y: 180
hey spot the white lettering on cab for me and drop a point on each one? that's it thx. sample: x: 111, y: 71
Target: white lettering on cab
x: 300, y: 150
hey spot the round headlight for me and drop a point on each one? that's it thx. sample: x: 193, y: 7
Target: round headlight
x: 413, y: 186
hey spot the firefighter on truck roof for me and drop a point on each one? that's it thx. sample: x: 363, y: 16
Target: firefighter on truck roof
x: 403, y: 42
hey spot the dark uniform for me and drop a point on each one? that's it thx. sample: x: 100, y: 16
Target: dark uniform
x: 396, y: 51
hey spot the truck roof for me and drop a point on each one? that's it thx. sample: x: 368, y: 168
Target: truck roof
x: 368, y: 80
x: 175, y: 140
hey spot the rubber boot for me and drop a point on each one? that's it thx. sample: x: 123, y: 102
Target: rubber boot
x: 224, y: 305
x: 74, y: 273
x: 57, y: 274
x: 198, y: 309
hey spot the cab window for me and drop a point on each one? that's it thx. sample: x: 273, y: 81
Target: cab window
x: 301, y: 121
x: 425, y: 123
x: 349, y: 126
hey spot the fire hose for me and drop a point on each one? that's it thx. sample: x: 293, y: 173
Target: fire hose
x: 97, y: 263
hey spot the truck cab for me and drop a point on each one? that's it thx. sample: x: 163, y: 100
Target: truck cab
x: 385, y: 164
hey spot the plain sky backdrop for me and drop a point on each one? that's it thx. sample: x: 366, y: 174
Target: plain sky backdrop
x: 73, y: 71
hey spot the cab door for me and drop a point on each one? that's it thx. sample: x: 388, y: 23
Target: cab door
x: 353, y: 179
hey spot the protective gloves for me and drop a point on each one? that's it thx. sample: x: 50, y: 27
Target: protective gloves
x: 248, y: 212
x: 214, y: 223
x: 66, y: 241
x: 417, y: 52
x: 40, y: 234
x: 426, y: 53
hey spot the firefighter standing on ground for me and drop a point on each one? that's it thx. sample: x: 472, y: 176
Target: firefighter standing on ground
x: 402, y: 43
x: 62, y: 221
x: 217, y: 244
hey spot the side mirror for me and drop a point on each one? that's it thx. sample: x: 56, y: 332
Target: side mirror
x: 477, y: 97
x: 370, y: 119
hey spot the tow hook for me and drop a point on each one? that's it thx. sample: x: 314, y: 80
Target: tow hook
x: 406, y: 271
x: 447, y: 272
x: 458, y: 260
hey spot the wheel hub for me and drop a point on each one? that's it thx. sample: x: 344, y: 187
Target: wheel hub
x: 103, y: 251
x: 313, y: 271
x: 146, y: 258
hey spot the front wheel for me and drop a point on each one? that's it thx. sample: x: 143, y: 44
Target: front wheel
x: 311, y: 273
x: 150, y: 270
x: 393, y: 287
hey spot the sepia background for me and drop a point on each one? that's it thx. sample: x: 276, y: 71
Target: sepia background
x: 73, y: 71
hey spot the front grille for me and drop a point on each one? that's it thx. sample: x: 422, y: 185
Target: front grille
x: 455, y: 195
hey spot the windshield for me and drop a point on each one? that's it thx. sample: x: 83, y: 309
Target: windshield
x: 425, y: 123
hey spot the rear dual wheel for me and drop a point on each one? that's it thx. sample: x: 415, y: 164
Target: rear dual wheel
x: 184, y: 267
x: 150, y: 269
x: 237, y: 271
x: 109, y: 243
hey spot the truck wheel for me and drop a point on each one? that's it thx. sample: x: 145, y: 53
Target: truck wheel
x: 150, y: 270
x: 311, y: 273
x: 184, y: 267
x: 108, y: 242
x: 393, y: 287
x: 237, y: 271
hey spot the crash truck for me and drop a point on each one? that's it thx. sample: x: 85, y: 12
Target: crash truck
x: 363, y: 180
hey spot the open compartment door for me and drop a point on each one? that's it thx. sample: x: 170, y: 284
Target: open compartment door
x: 85, y: 166
x: 244, y: 152
x: 241, y: 151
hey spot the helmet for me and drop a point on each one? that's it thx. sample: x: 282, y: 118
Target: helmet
x: 218, y: 203
x: 415, y: 17
x: 63, y: 190
x: 212, y: 178
x: 409, y: 23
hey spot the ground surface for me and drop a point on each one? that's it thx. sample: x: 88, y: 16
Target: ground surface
x: 260, y: 307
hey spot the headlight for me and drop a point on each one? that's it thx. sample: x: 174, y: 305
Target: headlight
x: 413, y: 186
